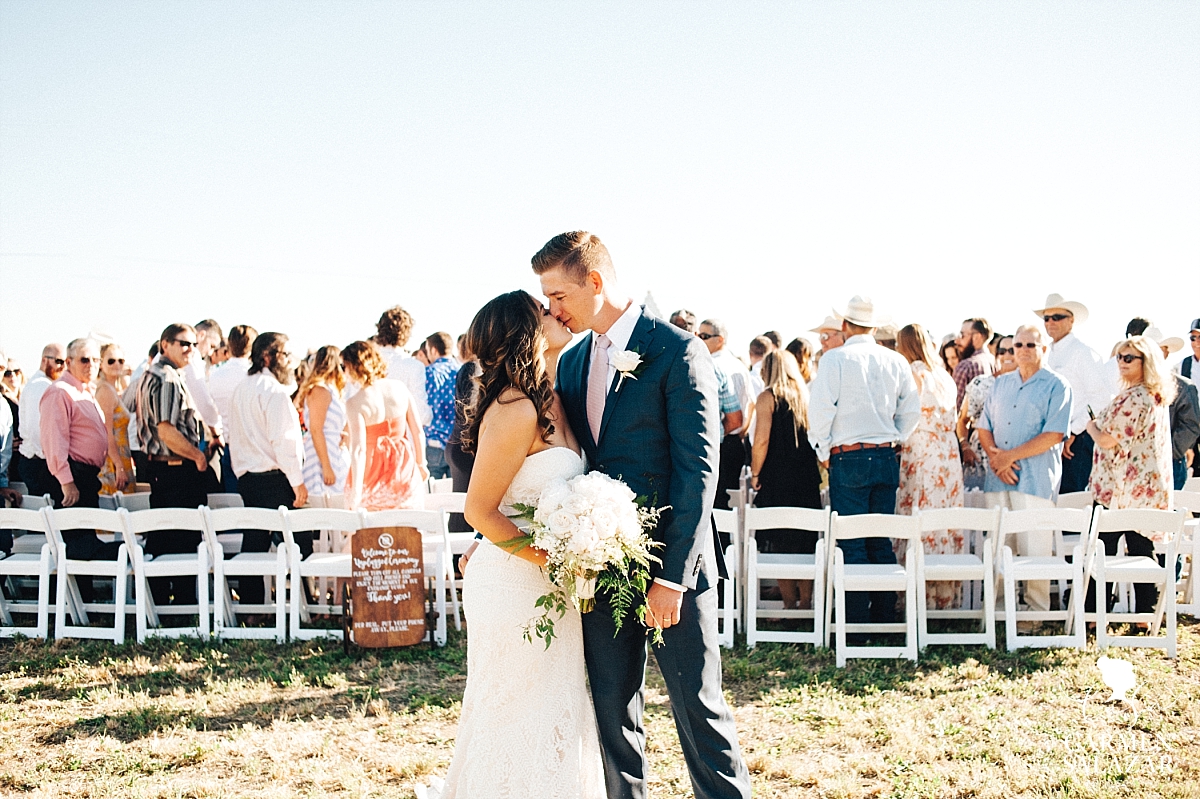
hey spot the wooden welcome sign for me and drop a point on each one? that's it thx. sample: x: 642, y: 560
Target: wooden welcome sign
x: 387, y: 593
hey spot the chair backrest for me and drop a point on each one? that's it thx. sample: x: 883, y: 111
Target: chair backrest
x: 33, y: 521
x: 1068, y: 520
x: 225, y: 501
x: 59, y: 519
x: 441, y: 485
x: 427, y: 521
x: 133, y: 502
x: 162, y: 519
x: 323, y: 500
x: 30, y: 502
x: 108, y: 503
x: 322, y: 519
x: 452, y: 501
x: 1141, y: 520
x: 726, y: 520
x: 1082, y: 500
x: 874, y: 525
x: 1187, y: 500
x: 19, y: 487
x: 810, y: 519
x: 223, y: 519
x: 1192, y: 484
x: 985, y: 519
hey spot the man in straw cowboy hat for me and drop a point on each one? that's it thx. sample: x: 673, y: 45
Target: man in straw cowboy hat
x: 864, y: 402
x: 830, y: 333
x: 1083, y: 369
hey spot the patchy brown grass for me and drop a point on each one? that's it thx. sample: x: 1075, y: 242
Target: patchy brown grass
x: 191, y: 719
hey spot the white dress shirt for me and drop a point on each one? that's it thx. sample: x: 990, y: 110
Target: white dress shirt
x: 411, y: 372
x: 863, y: 393
x: 31, y: 417
x: 740, y: 379
x: 223, y: 380
x: 197, y: 384
x: 1084, y: 371
x: 264, y: 429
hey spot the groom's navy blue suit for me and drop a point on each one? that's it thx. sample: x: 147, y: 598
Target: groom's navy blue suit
x: 660, y: 434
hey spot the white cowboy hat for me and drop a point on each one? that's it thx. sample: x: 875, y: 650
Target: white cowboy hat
x: 831, y: 323
x: 1077, y: 309
x: 1173, y: 344
x: 861, y: 311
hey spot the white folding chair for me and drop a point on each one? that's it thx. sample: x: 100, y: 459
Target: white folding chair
x: 432, y: 525
x: 1137, y: 569
x: 195, y: 565
x: 453, y: 502
x: 327, y: 565
x: 766, y: 566
x: 729, y: 618
x: 875, y: 577
x: 26, y: 565
x: 247, y: 566
x: 967, y: 568
x: 19, y: 487
x: 440, y: 485
x: 225, y: 500
x: 1189, y: 551
x: 67, y: 596
x: 32, y: 541
x: 1193, y: 485
x: 1057, y: 566
x: 132, y: 502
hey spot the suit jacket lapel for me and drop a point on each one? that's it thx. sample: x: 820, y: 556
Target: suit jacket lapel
x: 638, y: 341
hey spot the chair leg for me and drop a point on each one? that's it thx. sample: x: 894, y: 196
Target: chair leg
x: 989, y: 601
x: 1101, y: 601
x: 43, y: 610
x: 819, y: 635
x: 752, y: 592
x: 297, y: 592
x: 281, y: 594
x: 119, y: 584
x: 922, y: 614
x: 915, y: 607
x: 1010, y: 603
x: 839, y: 602
x: 202, y: 588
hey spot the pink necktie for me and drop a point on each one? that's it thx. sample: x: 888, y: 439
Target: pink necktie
x: 597, y: 385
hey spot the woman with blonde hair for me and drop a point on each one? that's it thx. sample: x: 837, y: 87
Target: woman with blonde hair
x: 783, y: 464
x: 387, y: 448
x: 113, y: 379
x: 1131, y: 465
x: 319, y: 400
x: 930, y: 470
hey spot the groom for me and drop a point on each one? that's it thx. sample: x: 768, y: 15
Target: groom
x: 658, y: 430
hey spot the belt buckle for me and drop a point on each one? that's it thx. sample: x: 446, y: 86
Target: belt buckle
x: 174, y: 461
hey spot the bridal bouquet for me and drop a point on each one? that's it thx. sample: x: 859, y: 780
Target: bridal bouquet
x: 595, y: 532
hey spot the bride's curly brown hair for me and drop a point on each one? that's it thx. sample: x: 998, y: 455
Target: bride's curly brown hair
x: 507, y: 339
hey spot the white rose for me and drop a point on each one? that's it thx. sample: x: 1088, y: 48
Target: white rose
x: 560, y: 522
x: 576, y: 503
x: 605, y: 522
x: 626, y: 360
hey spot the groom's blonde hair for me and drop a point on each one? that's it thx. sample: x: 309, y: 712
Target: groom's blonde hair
x: 577, y: 253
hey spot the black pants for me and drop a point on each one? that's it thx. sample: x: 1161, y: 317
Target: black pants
x: 35, y: 474
x: 1145, y: 594
x: 180, y: 486
x: 461, y: 464
x: 729, y: 473
x: 84, y: 544
x: 266, y: 490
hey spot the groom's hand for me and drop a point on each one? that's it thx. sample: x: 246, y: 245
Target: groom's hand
x: 662, y: 606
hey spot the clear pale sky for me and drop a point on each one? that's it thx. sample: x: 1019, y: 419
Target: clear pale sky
x: 302, y: 166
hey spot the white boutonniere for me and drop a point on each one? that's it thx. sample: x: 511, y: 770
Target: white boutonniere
x: 627, y: 363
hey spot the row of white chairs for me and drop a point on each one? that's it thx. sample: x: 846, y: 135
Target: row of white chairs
x: 41, y: 553
x: 1077, y: 556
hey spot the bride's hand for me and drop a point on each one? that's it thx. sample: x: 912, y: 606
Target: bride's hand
x: 464, y: 557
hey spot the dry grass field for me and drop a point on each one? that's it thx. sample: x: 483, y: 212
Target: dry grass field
x: 192, y: 719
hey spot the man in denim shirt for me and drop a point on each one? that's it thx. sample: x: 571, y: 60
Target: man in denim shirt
x: 864, y: 402
x: 1024, y: 421
x: 440, y: 377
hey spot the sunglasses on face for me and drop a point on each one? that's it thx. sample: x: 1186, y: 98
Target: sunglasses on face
x: 86, y: 361
x: 1030, y: 345
x: 111, y: 361
x: 1194, y: 336
x: 1004, y: 350
x: 187, y: 345
x: 1056, y: 317
x: 56, y: 361
x: 706, y: 336
x: 11, y: 372
x: 827, y: 336
x: 1126, y: 357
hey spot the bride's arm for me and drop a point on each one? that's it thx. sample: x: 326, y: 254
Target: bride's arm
x: 505, y: 437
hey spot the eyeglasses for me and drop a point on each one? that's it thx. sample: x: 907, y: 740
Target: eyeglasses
x: 1125, y: 357
x: 827, y: 336
x: 706, y: 336
x: 1005, y: 350
x: 1056, y: 317
x: 187, y: 345
x: 111, y: 361
x: 1031, y: 345
x: 86, y: 361
x: 11, y: 372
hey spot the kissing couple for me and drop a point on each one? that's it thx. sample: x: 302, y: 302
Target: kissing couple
x: 530, y: 727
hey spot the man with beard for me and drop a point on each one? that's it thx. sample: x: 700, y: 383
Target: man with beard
x: 266, y: 446
x: 974, y: 358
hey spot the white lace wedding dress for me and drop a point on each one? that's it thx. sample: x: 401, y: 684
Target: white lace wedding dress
x: 528, y: 728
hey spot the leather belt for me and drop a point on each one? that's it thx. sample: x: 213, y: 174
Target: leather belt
x: 170, y: 460
x: 854, y: 447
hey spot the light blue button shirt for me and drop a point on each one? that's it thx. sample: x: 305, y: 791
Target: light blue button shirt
x: 863, y: 393
x: 1017, y: 411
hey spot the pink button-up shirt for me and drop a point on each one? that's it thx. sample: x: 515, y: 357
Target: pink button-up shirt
x: 72, y: 427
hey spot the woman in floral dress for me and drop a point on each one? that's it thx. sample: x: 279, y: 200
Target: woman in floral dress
x: 1131, y: 467
x: 975, y: 463
x: 930, y: 469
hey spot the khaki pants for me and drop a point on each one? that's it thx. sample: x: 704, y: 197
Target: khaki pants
x: 1038, y: 544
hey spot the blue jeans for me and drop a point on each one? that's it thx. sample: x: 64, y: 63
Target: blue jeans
x: 1181, y: 473
x: 1077, y: 470
x: 435, y: 459
x: 865, y: 481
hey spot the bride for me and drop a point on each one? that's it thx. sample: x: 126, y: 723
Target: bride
x: 528, y: 727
